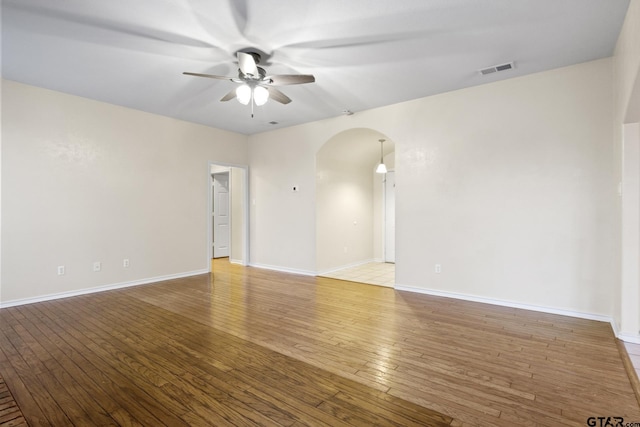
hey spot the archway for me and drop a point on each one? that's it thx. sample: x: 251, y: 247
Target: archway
x: 350, y: 204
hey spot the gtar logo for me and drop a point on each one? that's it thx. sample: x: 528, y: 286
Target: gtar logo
x: 605, y: 422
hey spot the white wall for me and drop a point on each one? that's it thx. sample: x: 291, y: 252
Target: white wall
x: 1, y: 85
x: 344, y: 200
x: 626, y: 62
x: 507, y: 185
x: 630, y: 242
x: 379, y: 206
x: 84, y: 181
x: 627, y: 65
x: 282, y: 222
x: 238, y: 207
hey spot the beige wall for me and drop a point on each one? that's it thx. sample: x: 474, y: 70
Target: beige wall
x: 627, y: 65
x: 1, y: 174
x: 344, y: 200
x: 84, y: 181
x: 626, y: 62
x: 507, y: 185
x: 378, y: 206
x: 282, y: 222
x: 238, y: 202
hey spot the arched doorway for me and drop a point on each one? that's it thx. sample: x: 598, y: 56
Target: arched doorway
x: 350, y: 207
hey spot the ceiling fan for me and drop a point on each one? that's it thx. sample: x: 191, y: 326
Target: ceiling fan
x: 256, y: 87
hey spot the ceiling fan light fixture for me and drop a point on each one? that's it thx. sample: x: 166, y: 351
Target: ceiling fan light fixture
x: 256, y: 88
x: 243, y: 93
x: 260, y: 95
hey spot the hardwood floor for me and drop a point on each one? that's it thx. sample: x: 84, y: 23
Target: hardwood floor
x: 245, y: 346
x: 10, y: 414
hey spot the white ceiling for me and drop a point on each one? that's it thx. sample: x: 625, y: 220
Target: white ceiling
x: 363, y: 53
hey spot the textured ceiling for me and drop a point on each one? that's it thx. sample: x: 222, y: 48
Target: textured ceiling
x: 363, y: 53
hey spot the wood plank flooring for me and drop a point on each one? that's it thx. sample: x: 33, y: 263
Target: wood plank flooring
x: 10, y: 414
x: 246, y: 346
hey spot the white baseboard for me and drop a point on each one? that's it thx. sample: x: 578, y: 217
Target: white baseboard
x: 236, y: 261
x: 49, y: 297
x: 598, y: 317
x: 635, y: 339
x: 503, y: 303
x: 353, y: 264
x: 283, y: 269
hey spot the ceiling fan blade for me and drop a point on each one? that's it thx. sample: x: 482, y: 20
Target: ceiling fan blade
x: 289, y: 79
x: 247, y: 64
x: 209, y: 76
x: 278, y: 96
x: 49, y: 18
x: 229, y: 96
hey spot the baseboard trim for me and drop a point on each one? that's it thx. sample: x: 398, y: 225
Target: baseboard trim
x: 49, y: 297
x: 283, y: 269
x: 631, y: 371
x: 236, y: 261
x: 635, y: 339
x: 503, y: 303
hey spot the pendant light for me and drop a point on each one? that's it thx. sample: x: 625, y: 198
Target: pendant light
x: 381, y: 167
x: 243, y: 93
x: 260, y: 95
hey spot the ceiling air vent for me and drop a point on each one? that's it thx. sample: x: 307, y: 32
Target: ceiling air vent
x: 496, y: 68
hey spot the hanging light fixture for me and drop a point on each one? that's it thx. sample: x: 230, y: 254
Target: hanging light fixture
x: 243, y: 93
x: 381, y: 167
x: 260, y: 95
x: 252, y: 93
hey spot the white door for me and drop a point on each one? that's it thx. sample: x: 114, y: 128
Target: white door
x: 221, y: 221
x: 390, y: 217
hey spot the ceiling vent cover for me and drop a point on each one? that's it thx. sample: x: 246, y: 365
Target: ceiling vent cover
x: 496, y: 68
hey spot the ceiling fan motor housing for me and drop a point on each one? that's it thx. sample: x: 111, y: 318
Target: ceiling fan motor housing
x: 261, y: 74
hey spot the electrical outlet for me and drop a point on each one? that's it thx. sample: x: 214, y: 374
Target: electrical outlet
x: 438, y: 268
x: 61, y: 270
x: 125, y: 263
x: 97, y: 266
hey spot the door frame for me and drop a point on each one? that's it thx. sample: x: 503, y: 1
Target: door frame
x: 384, y: 215
x: 245, y: 203
x: 214, y: 233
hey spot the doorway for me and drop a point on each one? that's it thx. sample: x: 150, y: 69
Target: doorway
x: 221, y: 218
x: 351, y: 234
x: 228, y: 213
